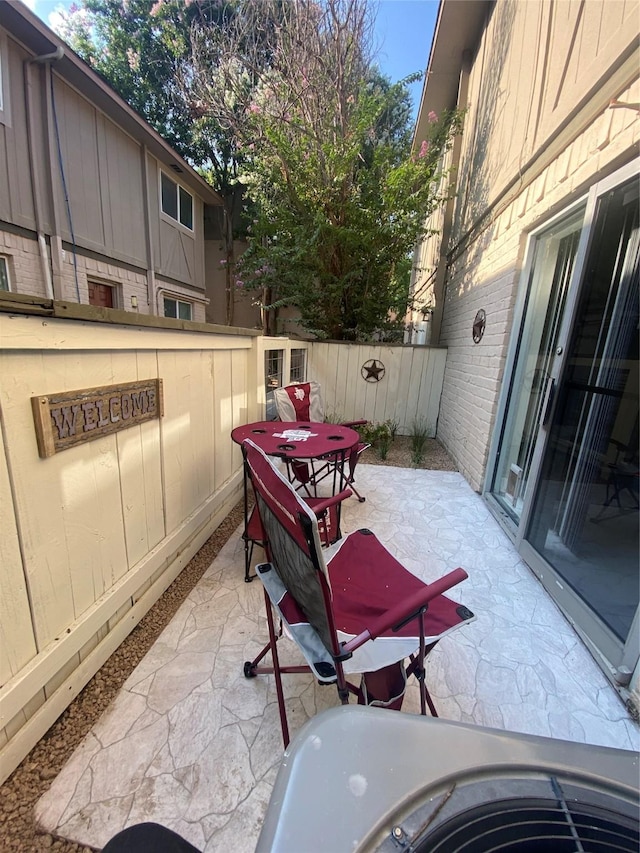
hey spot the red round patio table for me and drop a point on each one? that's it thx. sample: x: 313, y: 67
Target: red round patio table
x: 293, y: 441
x: 298, y: 439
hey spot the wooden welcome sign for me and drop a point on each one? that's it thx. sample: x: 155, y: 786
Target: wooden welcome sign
x: 64, y: 420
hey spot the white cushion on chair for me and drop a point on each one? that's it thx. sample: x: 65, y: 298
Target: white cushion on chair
x: 286, y: 408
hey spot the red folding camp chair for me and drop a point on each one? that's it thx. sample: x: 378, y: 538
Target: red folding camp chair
x: 302, y: 401
x: 327, y: 511
x: 335, y: 603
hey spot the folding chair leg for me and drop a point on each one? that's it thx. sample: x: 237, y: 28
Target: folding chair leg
x: 248, y: 543
x: 276, y: 672
x: 425, y: 696
x: 248, y: 553
x: 355, y: 491
x: 416, y: 668
x: 251, y: 668
x: 343, y: 686
x: 353, y: 459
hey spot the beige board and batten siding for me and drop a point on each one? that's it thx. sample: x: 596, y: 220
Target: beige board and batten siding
x: 124, y: 212
x: 539, y: 131
x: 536, y: 67
x: 16, y: 197
x: 105, y: 181
x: 103, y: 178
x: 178, y: 251
x: 93, y: 535
x: 410, y: 389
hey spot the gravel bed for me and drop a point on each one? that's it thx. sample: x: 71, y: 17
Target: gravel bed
x: 32, y: 778
x: 400, y: 455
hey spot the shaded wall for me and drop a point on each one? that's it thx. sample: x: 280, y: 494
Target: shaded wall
x: 94, y: 534
x: 539, y: 131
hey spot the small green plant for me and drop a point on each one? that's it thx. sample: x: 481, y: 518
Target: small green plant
x: 394, y: 426
x: 378, y: 435
x: 384, y: 443
x: 333, y: 418
x: 419, y: 435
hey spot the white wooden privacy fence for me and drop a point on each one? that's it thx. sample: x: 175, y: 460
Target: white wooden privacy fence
x: 409, y: 387
x: 94, y: 532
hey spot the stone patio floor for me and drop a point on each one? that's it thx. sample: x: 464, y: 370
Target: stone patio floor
x: 192, y: 744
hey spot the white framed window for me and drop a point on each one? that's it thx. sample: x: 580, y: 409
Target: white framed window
x: 297, y: 370
x: 274, y: 361
x: 5, y: 280
x: 177, y: 309
x: 175, y: 201
x: 273, y: 373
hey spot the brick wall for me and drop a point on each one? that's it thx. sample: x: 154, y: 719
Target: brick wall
x: 130, y: 285
x: 26, y: 277
x: 487, y: 275
x: 25, y: 268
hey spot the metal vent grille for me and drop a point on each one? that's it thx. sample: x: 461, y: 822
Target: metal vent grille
x: 533, y: 825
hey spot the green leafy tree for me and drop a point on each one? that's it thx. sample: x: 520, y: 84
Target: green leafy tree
x: 326, y: 144
x: 283, y: 98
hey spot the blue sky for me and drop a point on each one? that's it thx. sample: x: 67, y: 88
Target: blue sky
x: 404, y: 29
x: 403, y: 35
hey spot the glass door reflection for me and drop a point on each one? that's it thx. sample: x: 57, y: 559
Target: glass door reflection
x: 584, y: 519
x: 551, y: 269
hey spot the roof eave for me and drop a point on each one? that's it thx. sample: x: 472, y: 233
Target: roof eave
x: 458, y: 29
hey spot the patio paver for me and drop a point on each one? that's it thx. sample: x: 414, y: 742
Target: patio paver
x: 192, y: 744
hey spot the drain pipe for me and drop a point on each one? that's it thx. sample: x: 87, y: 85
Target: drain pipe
x: 54, y: 56
x: 44, y: 263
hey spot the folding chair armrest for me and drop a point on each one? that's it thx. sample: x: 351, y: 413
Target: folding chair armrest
x: 320, y: 506
x: 406, y: 609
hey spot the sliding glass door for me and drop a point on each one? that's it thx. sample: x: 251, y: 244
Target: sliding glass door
x: 566, y: 469
x: 551, y: 265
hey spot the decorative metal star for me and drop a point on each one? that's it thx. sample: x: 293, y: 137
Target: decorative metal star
x: 372, y: 370
x: 478, y: 326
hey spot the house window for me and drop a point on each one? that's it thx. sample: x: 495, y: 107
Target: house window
x: 297, y: 371
x: 185, y: 213
x: 176, y: 201
x: 274, y: 360
x: 273, y: 367
x: 5, y: 282
x: 102, y: 295
x: 177, y: 309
